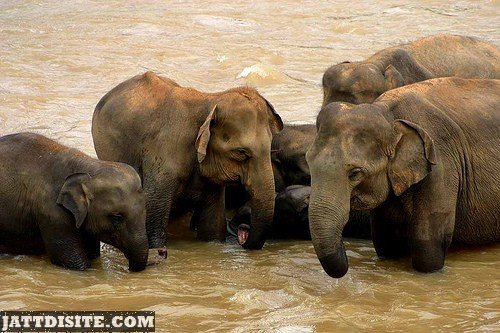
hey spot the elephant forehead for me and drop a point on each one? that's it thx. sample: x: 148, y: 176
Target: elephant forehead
x: 116, y: 185
x: 244, y: 126
x: 366, y: 78
x: 354, y: 77
x: 362, y: 143
x: 348, y: 117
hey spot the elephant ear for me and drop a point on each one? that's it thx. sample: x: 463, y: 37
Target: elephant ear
x: 393, y: 78
x: 74, y: 198
x: 413, y: 156
x: 275, y: 122
x: 204, y: 136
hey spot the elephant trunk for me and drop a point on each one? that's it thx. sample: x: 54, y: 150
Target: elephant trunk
x: 260, y: 186
x: 328, y: 214
x: 136, y: 250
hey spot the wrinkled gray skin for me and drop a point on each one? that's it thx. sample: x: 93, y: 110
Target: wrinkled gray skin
x: 427, y: 58
x: 292, y: 179
x: 57, y: 200
x: 187, y: 145
x: 424, y: 158
x: 288, y: 157
x: 291, y: 217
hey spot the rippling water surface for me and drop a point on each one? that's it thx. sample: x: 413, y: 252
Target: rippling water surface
x: 58, y: 58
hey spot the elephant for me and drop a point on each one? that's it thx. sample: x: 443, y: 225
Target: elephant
x: 59, y: 201
x: 290, y: 215
x: 288, y: 157
x: 292, y: 179
x: 430, y: 57
x: 424, y: 158
x: 187, y: 146
x: 288, y: 150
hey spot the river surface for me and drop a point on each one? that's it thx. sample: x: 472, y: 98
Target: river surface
x: 58, y: 58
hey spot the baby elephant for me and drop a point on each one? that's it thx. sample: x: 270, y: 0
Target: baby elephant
x: 58, y: 200
x: 427, y: 58
x: 424, y: 158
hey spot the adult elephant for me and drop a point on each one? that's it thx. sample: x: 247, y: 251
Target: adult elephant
x: 424, y: 158
x: 56, y: 199
x: 292, y: 179
x: 187, y: 145
x: 427, y: 58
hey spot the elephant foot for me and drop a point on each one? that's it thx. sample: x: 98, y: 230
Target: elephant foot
x: 243, y: 232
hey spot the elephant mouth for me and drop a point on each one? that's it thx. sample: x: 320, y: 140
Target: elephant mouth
x: 243, y: 232
x: 239, y: 226
x: 157, y: 255
x: 359, y: 204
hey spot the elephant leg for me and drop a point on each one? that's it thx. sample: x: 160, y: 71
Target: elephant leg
x: 64, y: 247
x: 211, y: 214
x: 432, y: 220
x: 92, y: 247
x: 159, y: 190
x: 358, y: 226
x: 390, y: 231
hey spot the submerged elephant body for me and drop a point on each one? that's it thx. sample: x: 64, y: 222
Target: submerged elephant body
x: 427, y: 58
x: 423, y: 157
x: 57, y: 200
x: 187, y: 145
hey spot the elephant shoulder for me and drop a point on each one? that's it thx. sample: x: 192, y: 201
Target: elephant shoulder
x: 156, y: 80
x: 143, y: 93
x: 28, y: 143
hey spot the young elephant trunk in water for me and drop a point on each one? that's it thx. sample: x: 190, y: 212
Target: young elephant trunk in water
x: 137, y: 254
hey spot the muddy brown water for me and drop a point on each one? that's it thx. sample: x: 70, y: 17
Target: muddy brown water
x: 58, y: 58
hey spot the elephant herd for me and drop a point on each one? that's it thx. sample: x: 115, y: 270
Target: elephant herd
x: 405, y: 151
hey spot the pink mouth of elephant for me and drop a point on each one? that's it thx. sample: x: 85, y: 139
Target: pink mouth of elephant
x: 243, y: 232
x: 156, y: 258
x: 162, y: 252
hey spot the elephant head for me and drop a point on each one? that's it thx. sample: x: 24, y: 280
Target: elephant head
x: 359, y: 82
x: 360, y: 156
x: 234, y: 145
x: 110, y: 206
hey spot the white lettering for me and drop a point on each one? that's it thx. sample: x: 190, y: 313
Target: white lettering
x: 14, y: 322
x: 130, y: 321
x: 86, y: 321
x: 146, y: 321
x: 50, y: 321
x: 26, y: 321
x: 117, y: 321
x: 68, y: 322
x: 38, y: 321
x: 5, y: 323
x: 78, y: 322
x: 98, y: 321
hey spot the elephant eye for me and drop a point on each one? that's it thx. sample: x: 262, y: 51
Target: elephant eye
x: 356, y: 174
x: 116, y: 218
x: 241, y: 154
